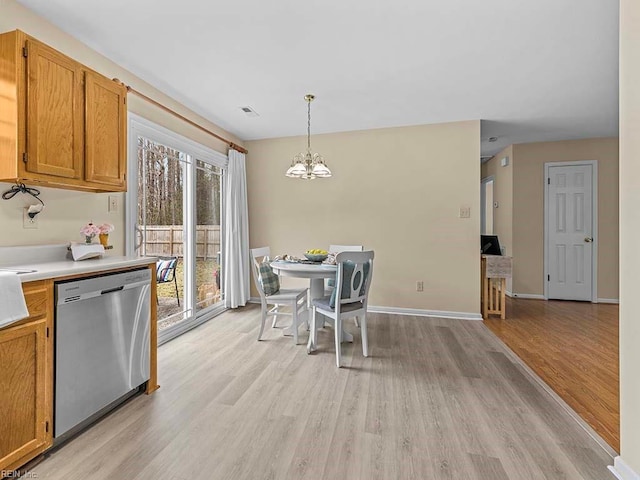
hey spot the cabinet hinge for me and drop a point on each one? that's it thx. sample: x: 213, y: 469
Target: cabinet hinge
x: 47, y: 332
x: 548, y: 278
x: 548, y: 181
x: 24, y: 157
x: 24, y: 52
x: 46, y: 426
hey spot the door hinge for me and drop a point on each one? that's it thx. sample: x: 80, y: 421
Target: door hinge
x: 46, y: 426
x: 549, y: 181
x: 25, y: 53
x: 24, y: 157
x: 548, y: 278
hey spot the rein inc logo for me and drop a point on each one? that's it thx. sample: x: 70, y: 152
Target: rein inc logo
x: 17, y: 474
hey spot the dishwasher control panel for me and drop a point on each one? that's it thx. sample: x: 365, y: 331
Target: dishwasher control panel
x: 87, y: 287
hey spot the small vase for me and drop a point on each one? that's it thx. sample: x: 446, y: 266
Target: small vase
x: 88, y: 238
x: 104, y: 239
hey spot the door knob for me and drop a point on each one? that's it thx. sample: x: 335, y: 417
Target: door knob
x: 588, y: 239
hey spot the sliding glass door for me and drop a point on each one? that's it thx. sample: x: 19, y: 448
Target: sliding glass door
x: 175, y: 214
x: 160, y: 225
x: 208, y: 213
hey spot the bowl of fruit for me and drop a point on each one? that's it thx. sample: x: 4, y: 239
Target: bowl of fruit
x: 316, y: 255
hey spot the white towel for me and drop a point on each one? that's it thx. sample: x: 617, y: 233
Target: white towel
x: 12, y: 304
x: 83, y: 251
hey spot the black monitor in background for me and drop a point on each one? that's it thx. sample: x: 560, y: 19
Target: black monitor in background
x: 489, y: 245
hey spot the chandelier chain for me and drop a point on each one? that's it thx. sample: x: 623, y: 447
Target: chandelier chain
x: 309, y: 126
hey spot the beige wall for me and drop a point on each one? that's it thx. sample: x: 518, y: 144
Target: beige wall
x: 503, y: 194
x: 528, y: 210
x: 398, y: 191
x: 629, y: 233
x: 66, y: 211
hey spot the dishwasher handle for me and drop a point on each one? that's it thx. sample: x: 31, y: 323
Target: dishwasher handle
x: 72, y: 297
x: 111, y: 290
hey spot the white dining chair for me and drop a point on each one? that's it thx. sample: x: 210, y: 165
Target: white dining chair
x: 328, y: 285
x: 294, y: 298
x: 355, y: 271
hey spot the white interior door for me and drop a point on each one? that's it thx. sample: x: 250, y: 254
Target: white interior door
x: 570, y: 232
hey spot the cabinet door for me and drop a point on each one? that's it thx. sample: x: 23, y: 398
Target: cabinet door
x: 55, y: 124
x: 22, y: 391
x: 106, y: 129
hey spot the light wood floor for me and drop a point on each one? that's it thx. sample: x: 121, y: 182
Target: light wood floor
x: 437, y: 399
x: 573, y: 347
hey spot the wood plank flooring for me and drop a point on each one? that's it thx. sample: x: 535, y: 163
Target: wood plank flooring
x: 437, y: 399
x: 573, y: 347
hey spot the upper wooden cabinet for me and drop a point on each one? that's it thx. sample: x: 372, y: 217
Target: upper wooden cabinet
x: 55, y: 126
x: 105, y: 131
x: 64, y: 124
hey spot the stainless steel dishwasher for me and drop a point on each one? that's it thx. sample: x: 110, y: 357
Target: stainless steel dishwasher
x: 102, y: 345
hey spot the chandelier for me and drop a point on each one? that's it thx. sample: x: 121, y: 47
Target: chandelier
x: 308, y: 165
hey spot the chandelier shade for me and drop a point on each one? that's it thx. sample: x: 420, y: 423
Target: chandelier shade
x: 308, y: 165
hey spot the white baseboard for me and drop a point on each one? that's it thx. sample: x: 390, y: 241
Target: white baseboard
x: 532, y: 296
x: 413, y: 311
x: 541, y: 297
x: 425, y: 313
x: 609, y: 300
x: 622, y: 471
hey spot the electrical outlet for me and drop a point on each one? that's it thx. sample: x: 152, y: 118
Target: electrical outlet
x: 465, y: 212
x: 28, y: 222
x: 419, y: 286
x: 113, y: 204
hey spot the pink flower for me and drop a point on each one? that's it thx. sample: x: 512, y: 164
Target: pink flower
x: 106, y: 228
x: 89, y: 230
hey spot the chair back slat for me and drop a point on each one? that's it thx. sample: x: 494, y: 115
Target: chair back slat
x: 259, y: 253
x: 359, y: 279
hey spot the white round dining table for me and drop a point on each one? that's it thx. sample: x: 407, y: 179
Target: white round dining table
x: 316, y: 273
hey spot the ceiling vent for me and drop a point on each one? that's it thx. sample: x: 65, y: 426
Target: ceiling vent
x: 250, y: 112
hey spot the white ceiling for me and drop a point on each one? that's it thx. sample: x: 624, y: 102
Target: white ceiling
x: 535, y: 70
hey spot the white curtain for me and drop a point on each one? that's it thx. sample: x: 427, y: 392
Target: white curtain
x: 236, y: 233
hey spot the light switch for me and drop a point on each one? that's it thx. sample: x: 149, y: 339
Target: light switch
x: 113, y: 204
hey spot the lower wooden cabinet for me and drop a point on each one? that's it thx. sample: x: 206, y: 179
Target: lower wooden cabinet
x: 26, y: 388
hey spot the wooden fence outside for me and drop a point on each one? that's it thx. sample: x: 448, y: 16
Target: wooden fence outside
x: 167, y: 241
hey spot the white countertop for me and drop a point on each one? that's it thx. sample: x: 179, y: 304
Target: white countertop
x: 64, y: 268
x: 51, y: 262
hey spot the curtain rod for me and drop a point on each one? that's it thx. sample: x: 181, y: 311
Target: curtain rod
x: 181, y: 117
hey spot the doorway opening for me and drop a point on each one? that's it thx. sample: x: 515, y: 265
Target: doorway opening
x: 486, y: 205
